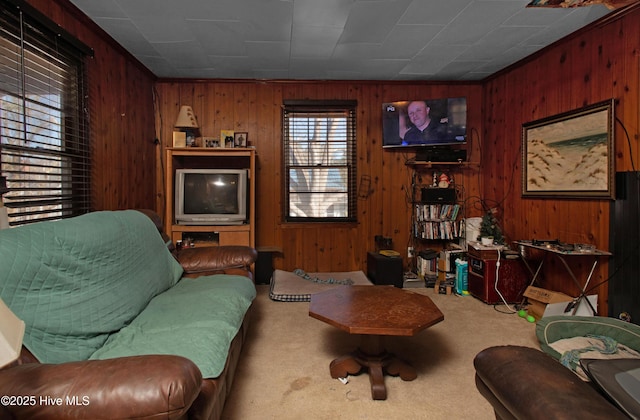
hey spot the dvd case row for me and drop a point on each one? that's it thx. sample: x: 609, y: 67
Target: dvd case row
x: 445, y: 229
x: 427, y: 212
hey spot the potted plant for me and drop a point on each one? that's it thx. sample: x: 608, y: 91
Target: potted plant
x: 489, y: 228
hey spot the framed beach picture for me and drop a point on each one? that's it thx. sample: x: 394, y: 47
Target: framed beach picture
x: 570, y: 155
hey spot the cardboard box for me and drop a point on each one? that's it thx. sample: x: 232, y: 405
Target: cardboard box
x: 539, y: 299
x: 583, y: 308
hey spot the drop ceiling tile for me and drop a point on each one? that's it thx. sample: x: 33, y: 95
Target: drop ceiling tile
x: 268, y: 20
x: 476, y: 21
x: 314, y: 41
x: 376, y: 69
x: 370, y: 22
x: 432, y: 59
x: 458, y: 68
x: 536, y: 16
x: 325, y: 13
x: 355, y: 51
x: 268, y: 50
x: 436, y: 12
x: 220, y: 38
x: 405, y: 41
x: 496, y: 42
x: 140, y: 8
x: 154, y: 29
x: 101, y: 8
x: 127, y: 35
x: 188, y: 54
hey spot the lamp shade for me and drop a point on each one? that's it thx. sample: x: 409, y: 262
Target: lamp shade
x: 11, y: 334
x: 186, y: 118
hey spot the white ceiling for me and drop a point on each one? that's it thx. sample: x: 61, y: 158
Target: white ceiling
x: 333, y: 39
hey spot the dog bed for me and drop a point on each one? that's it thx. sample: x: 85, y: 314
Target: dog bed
x: 298, y: 286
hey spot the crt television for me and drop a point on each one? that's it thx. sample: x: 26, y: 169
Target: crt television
x: 424, y: 122
x: 211, y: 196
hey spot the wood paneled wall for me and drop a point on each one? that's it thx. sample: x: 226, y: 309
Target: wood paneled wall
x: 120, y: 111
x: 597, y: 64
x: 255, y: 107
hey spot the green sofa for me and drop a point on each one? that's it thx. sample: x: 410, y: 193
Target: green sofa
x: 147, y: 332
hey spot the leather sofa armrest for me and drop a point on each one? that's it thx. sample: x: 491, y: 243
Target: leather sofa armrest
x: 141, y: 387
x: 216, y: 259
x: 525, y: 383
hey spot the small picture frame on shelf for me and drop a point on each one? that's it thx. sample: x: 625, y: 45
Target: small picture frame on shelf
x: 210, y: 142
x: 226, y: 138
x: 241, y: 139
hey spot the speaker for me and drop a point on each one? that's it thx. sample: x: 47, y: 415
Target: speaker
x: 384, y: 270
x: 438, y: 195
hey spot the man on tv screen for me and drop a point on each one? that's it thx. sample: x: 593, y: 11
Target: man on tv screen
x: 424, y: 129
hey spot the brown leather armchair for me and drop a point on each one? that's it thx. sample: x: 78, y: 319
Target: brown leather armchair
x: 525, y: 383
x: 140, y: 387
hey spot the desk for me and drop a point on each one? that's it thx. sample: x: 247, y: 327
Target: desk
x: 563, y: 251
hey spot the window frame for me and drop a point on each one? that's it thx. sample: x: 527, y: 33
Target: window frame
x: 44, y: 125
x: 346, y: 171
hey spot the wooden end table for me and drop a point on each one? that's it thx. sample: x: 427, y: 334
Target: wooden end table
x: 374, y: 312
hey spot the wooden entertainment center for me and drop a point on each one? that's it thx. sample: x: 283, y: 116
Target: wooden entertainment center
x: 215, y: 158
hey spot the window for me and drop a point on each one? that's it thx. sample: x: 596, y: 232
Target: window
x: 320, y: 161
x: 44, y: 147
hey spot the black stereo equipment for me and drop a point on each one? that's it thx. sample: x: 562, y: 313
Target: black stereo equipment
x: 438, y: 195
x: 444, y: 154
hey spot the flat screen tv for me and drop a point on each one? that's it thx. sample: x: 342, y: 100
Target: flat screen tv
x: 211, y: 196
x: 424, y: 122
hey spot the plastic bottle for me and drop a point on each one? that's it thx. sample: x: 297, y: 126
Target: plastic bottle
x: 462, y: 277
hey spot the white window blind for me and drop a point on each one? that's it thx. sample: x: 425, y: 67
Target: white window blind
x: 320, y: 161
x: 44, y: 145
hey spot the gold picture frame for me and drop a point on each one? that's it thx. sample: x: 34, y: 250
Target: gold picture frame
x: 227, y: 138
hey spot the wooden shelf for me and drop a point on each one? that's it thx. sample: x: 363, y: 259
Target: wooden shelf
x: 430, y: 164
x: 219, y: 158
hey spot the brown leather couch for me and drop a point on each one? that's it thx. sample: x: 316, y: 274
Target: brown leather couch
x: 525, y: 383
x: 140, y: 387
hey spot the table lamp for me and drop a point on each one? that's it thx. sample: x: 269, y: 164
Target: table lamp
x: 11, y: 334
x: 186, y: 121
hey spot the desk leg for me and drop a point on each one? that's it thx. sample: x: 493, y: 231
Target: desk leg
x: 583, y: 289
x: 535, y: 275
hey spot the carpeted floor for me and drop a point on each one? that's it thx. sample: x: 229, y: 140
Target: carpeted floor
x: 284, y: 368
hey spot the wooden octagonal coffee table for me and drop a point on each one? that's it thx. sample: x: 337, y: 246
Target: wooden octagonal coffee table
x: 374, y: 312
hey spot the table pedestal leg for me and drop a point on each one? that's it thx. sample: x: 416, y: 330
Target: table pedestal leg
x: 371, y: 355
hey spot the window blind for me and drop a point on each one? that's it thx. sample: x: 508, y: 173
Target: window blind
x: 320, y: 161
x: 44, y: 145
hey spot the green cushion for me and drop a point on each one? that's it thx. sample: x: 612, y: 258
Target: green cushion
x: 554, y: 328
x: 197, y: 319
x: 77, y: 280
